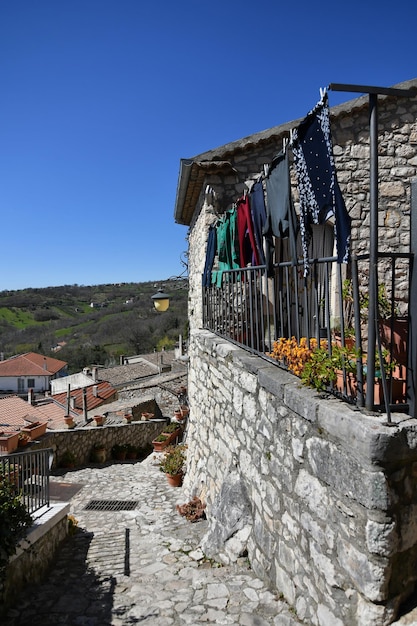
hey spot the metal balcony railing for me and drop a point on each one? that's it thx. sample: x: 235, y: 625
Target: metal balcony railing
x: 29, y: 472
x: 332, y: 304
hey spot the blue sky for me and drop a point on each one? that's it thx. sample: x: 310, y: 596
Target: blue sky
x: 100, y: 99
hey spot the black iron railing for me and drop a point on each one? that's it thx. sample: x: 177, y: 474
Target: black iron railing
x: 331, y: 305
x: 28, y: 473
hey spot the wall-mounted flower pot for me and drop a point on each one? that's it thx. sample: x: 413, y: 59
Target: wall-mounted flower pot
x: 158, y: 446
x: 9, y: 442
x: 178, y: 415
x: 35, y: 430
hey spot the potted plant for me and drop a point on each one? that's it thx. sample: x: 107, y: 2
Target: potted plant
x: 184, y: 410
x: 98, y: 453
x: 68, y: 460
x: 173, y: 430
x: 131, y: 452
x: 69, y: 421
x: 146, y: 416
x: 99, y: 420
x: 172, y: 464
x: 23, y: 440
x: 160, y: 442
x: 119, y: 451
x: 178, y: 415
x: 35, y: 429
x: 8, y: 441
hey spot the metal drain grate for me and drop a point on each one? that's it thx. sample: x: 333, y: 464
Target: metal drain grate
x: 111, y: 505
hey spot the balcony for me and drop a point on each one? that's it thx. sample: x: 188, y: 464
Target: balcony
x: 332, y: 308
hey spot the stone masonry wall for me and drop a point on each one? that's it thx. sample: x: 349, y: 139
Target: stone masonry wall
x: 80, y: 441
x: 32, y: 564
x: 324, y: 498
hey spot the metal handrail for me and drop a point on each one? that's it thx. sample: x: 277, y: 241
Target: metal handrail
x: 28, y: 472
x: 253, y: 309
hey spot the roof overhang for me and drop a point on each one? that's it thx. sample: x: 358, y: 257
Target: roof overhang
x: 194, y: 171
x: 190, y: 182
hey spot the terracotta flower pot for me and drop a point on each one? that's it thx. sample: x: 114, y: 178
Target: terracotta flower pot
x: 158, y: 446
x: 35, y: 430
x: 9, y: 442
x: 176, y: 480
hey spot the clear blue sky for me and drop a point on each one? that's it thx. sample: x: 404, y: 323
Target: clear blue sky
x: 101, y: 98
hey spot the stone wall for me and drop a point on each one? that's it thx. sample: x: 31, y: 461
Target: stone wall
x: 80, y: 441
x: 322, y: 498
x: 34, y: 554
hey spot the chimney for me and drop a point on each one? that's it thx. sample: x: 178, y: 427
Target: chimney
x: 95, y: 391
x: 85, y: 407
x: 30, y: 396
x: 95, y: 374
x: 68, y: 399
x: 72, y: 402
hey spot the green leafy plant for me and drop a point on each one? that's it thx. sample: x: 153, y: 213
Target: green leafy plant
x: 68, y: 459
x: 320, y: 370
x: 14, y: 521
x: 171, y: 428
x: 161, y: 438
x: 173, y: 460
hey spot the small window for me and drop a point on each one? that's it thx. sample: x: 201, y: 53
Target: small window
x: 31, y: 383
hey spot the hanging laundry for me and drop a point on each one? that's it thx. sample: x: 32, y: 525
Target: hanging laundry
x: 247, y: 245
x: 227, y: 246
x: 210, y: 254
x: 320, y: 196
x: 281, y: 218
x: 258, y: 214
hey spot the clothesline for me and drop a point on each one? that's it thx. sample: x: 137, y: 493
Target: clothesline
x: 245, y: 234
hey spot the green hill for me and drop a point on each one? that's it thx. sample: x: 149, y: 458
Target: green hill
x: 96, y: 324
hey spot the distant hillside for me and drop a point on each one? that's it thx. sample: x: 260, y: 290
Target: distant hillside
x: 96, y: 324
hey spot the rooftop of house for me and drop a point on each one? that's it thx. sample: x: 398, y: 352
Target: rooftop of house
x: 16, y: 413
x: 31, y: 364
x: 193, y: 171
x: 95, y: 394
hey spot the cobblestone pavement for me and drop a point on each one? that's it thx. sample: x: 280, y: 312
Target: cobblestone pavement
x: 142, y: 566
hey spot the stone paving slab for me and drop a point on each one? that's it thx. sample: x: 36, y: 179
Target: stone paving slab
x: 142, y: 566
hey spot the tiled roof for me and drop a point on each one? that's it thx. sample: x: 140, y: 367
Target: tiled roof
x: 97, y: 394
x: 16, y: 413
x: 31, y: 364
x: 54, y: 413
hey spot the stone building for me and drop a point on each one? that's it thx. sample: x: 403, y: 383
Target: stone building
x: 322, y: 497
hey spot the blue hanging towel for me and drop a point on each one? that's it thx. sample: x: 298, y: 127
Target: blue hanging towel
x: 320, y: 195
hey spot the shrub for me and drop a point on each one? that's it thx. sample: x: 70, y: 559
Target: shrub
x: 14, y: 521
